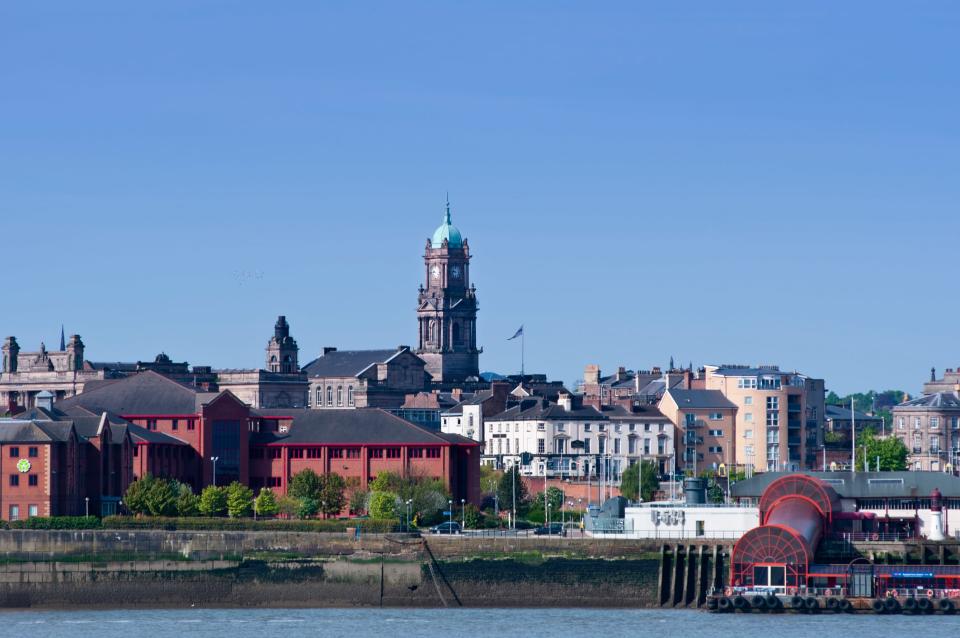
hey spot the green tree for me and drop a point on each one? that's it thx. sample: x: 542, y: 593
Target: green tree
x: 187, y: 502
x: 891, y: 450
x: 213, y: 501
x: 288, y: 505
x: 266, y: 503
x: 473, y: 517
x: 383, y: 505
x: 554, y: 498
x: 358, y: 501
x: 136, y: 496
x: 505, y: 491
x: 160, y: 498
x: 308, y: 508
x: 305, y: 484
x: 332, y: 495
x: 239, y: 500
x: 631, y: 476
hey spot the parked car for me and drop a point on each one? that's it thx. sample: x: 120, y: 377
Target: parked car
x: 553, y: 529
x: 446, y: 528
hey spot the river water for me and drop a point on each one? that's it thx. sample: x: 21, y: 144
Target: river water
x: 458, y: 623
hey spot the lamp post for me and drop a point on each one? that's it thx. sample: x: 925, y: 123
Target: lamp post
x: 214, y: 459
x: 463, y: 513
x: 407, y: 503
x: 450, y: 513
x: 87, y: 500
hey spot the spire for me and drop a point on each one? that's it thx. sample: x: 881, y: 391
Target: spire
x: 447, y: 218
x: 63, y: 341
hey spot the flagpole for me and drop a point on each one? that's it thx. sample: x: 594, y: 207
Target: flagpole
x: 523, y: 337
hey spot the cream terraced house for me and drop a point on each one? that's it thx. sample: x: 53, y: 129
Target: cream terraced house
x: 569, y: 440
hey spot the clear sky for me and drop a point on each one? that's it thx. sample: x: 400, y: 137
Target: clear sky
x: 722, y: 182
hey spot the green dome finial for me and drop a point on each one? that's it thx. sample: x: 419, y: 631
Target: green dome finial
x: 447, y: 231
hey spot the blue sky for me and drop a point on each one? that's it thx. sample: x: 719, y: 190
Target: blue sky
x: 719, y: 182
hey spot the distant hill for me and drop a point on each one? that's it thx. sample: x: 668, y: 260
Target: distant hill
x: 492, y: 376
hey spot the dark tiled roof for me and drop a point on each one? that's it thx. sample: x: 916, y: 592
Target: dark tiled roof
x: 346, y: 363
x: 23, y: 431
x: 700, y: 399
x: 747, y: 371
x: 640, y: 413
x: 935, y: 400
x: 863, y: 484
x: 831, y: 412
x: 143, y: 393
x: 358, y: 426
x: 542, y: 409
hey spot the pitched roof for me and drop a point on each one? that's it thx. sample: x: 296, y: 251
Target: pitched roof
x: 34, y: 431
x: 539, y: 408
x: 346, y: 363
x: 359, y: 426
x: 639, y: 413
x: 700, y: 399
x: 831, y: 412
x: 863, y: 484
x: 935, y: 400
x: 143, y: 393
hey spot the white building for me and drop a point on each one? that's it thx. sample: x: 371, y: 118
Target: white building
x: 568, y: 440
x: 466, y: 418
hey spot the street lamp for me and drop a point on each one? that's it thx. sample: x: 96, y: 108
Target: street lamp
x: 408, y: 502
x: 463, y: 513
x: 87, y: 499
x: 214, y: 460
x: 450, y: 513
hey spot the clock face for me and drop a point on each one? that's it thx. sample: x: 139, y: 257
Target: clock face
x: 435, y: 272
x: 455, y: 272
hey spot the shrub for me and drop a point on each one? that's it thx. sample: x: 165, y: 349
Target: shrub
x: 188, y: 504
x: 213, y: 501
x: 154, y: 496
x: 266, y: 503
x: 308, y: 508
x: 383, y: 505
x: 368, y: 525
x: 239, y: 500
x: 55, y: 522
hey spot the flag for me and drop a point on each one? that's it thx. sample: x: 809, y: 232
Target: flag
x: 518, y: 333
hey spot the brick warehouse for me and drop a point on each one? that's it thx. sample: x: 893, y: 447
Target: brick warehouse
x: 93, y: 445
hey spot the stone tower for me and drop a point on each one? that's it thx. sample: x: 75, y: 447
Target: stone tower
x: 282, y: 349
x: 447, y: 308
x: 11, y: 352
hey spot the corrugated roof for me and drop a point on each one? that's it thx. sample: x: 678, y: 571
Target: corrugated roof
x: 861, y: 485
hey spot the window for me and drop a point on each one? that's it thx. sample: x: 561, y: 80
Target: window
x: 934, y: 423
x: 716, y: 449
x: 540, y: 427
x: 616, y: 445
x: 319, y: 397
x: 601, y: 446
x: 33, y: 452
x: 541, y: 446
x: 586, y: 427
x: 353, y: 453
x: 748, y: 450
x: 773, y: 411
x: 14, y: 480
x: 433, y: 453
x: 586, y: 446
x: 748, y: 434
x: 336, y: 453
x: 560, y: 427
x: 646, y: 427
x: 748, y: 400
x: 716, y: 416
x: 330, y: 395
x: 749, y: 383
x: 916, y: 423
x: 350, y: 395
x: 632, y: 427
x: 376, y: 453
x: 632, y: 445
x: 416, y: 453
x: 559, y: 444
x: 14, y: 512
x: 33, y: 480
x: 934, y: 444
x: 748, y: 417
x: 393, y: 453
x: 954, y: 422
x: 276, y: 453
x: 646, y: 446
x: 339, y: 396
x: 314, y: 452
x: 773, y: 403
x: 715, y: 432
x: 900, y: 422
x: 175, y: 424
x: 191, y: 424
x: 151, y: 424
x: 296, y: 453
x: 14, y: 452
x: 33, y: 510
x: 273, y: 481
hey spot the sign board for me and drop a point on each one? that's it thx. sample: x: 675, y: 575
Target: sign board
x: 447, y: 513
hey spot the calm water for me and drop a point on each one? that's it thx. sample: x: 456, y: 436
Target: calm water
x: 522, y: 623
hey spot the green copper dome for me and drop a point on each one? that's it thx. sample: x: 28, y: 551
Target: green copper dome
x: 447, y: 231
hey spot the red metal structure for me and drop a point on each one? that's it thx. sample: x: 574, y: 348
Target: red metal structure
x: 795, y: 513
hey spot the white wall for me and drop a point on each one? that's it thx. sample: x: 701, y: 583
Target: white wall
x: 677, y: 521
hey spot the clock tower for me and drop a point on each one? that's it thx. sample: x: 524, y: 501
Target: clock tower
x: 447, y: 308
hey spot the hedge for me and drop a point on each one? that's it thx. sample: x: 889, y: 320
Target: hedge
x: 55, y: 522
x: 368, y: 525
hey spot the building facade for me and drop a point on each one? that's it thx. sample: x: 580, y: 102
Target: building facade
x: 779, y: 414
x: 348, y: 379
x: 930, y: 428
x: 447, y: 309
x: 706, y: 425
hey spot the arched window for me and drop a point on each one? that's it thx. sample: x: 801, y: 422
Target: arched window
x: 432, y: 331
x: 287, y: 363
x: 350, y: 395
x: 339, y: 396
x: 273, y: 363
x: 456, y: 333
x: 319, y: 397
x: 330, y: 395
